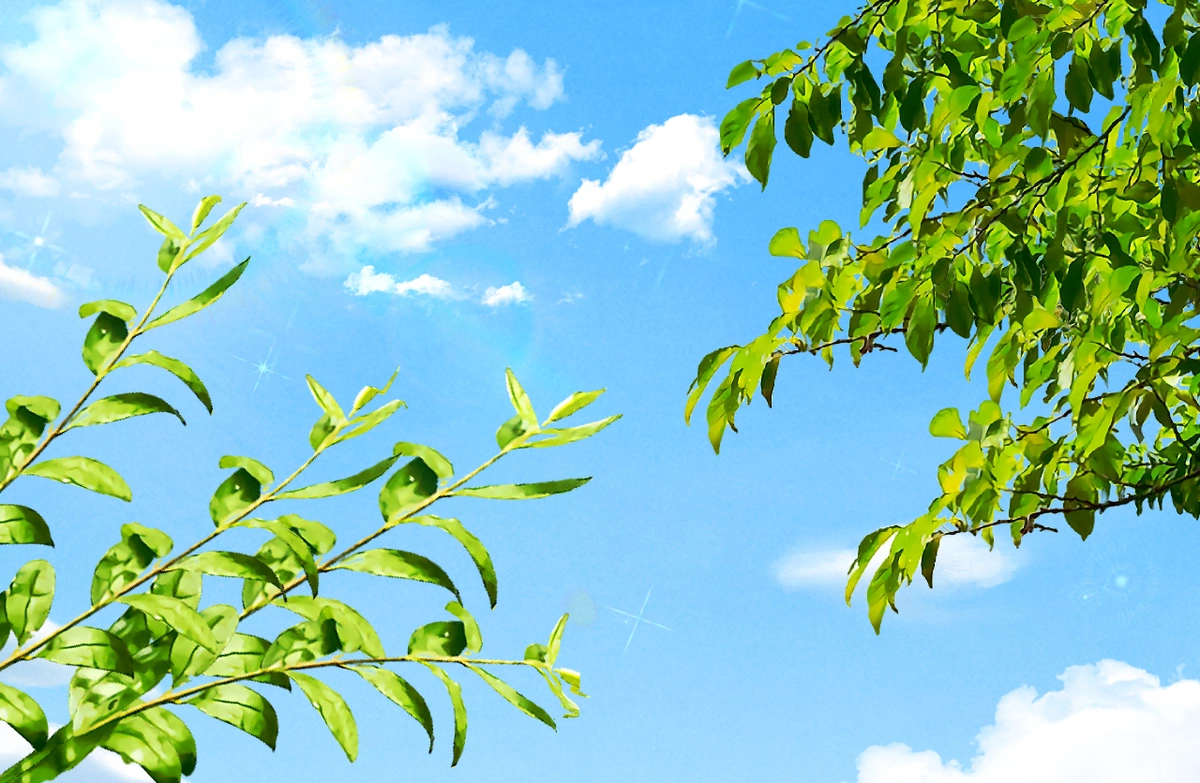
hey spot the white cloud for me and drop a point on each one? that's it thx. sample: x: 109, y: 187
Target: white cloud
x: 102, y: 766
x: 266, y: 201
x: 368, y: 281
x: 513, y: 293
x: 1110, y: 723
x: 962, y: 560
x: 23, y: 286
x: 664, y: 188
x: 28, y: 181
x: 369, y: 139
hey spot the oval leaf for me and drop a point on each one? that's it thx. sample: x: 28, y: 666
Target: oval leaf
x: 122, y: 406
x: 23, y: 525
x: 532, y: 491
x: 333, y: 710
x: 176, y: 368
x: 83, y: 472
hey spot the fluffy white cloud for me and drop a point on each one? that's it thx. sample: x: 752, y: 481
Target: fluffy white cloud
x: 28, y: 181
x: 368, y: 281
x: 962, y: 560
x: 369, y: 139
x: 513, y: 293
x: 665, y: 186
x: 23, y: 286
x: 1110, y: 723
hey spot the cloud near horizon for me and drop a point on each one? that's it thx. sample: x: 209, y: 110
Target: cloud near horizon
x: 1109, y: 723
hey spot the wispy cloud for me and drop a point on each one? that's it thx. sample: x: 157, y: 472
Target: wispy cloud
x: 28, y: 181
x: 1110, y: 723
x: 664, y: 187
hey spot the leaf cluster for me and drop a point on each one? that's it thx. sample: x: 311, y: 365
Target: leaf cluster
x: 1034, y: 169
x: 149, y: 644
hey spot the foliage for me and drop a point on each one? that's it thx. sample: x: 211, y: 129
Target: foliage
x: 152, y: 591
x: 1032, y: 172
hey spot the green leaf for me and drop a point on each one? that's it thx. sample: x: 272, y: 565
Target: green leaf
x: 121, y: 406
x: 259, y: 471
x: 168, y: 254
x: 202, y: 209
x: 399, y: 565
x: 94, y: 648
x: 704, y: 373
x: 510, y: 431
x: 242, y: 708
x: 470, y: 627
x: 45, y: 408
x: 161, y: 224
x: 514, y: 698
x: 520, y: 400
x: 124, y: 562
x: 28, y: 598
x: 325, y: 400
x: 442, y: 638
x: 929, y: 559
x: 555, y: 643
x: 540, y: 489
x: 947, y: 423
x: 742, y: 72
x: 1079, y: 85
x: 299, y: 547
x: 243, y: 654
x: 177, y: 732
x: 866, y: 550
x: 103, y: 340
x: 176, y: 368
x: 330, y: 489
x: 125, y: 312
x: 369, y: 393
x: 139, y: 741
x: 234, y: 496
x: 205, y: 239
x: 201, y: 300
x: 176, y: 614
x: 919, y: 333
x: 25, y: 716
x: 786, y: 242
x: 797, y: 129
x: 303, y: 643
x: 321, y: 430
x: 333, y: 710
x: 361, y: 425
x: 761, y: 148
x: 23, y: 525
x: 733, y: 127
x: 398, y: 690
x: 189, y: 657
x: 407, y: 489
x: 573, y: 404
x: 565, y: 435
x: 353, y: 630
x: 232, y: 564
x: 881, y: 139
x: 460, y: 710
x: 475, y: 548
x: 433, y: 459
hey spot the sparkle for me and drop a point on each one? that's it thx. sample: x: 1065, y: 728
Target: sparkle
x: 263, y: 367
x: 638, y: 618
x: 625, y: 248
x: 737, y: 11
x: 36, y: 243
x: 898, y: 465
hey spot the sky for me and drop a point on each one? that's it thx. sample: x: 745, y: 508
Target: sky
x: 455, y: 188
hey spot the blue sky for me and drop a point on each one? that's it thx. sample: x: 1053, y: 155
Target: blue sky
x: 454, y: 188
